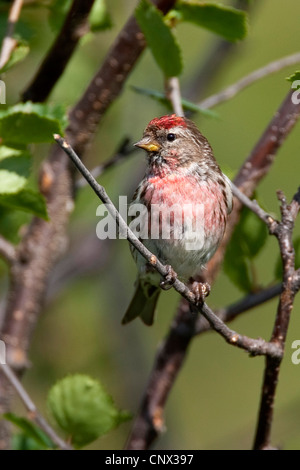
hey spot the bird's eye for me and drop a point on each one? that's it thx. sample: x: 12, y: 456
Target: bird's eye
x: 171, y: 137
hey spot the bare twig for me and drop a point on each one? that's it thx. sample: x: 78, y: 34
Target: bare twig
x: 173, y: 94
x: 250, y: 79
x: 250, y: 301
x: 9, y: 43
x: 283, y: 232
x: 254, y: 207
x: 75, y: 26
x: 7, y: 250
x: 33, y: 412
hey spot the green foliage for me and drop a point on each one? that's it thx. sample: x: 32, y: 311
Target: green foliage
x: 31, y: 438
x: 20, y: 125
x: 19, y: 54
x: 11, y: 221
x: 160, y: 39
x: 26, y: 200
x: 100, y: 18
x: 27, y: 123
x: 14, y: 172
x: 82, y: 409
x: 227, y: 22
x: 294, y: 77
x: 247, y: 240
x: 187, y: 105
x: 15, y: 166
x: 57, y: 13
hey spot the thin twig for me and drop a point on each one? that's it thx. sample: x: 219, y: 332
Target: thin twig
x: 250, y: 79
x: 9, y: 43
x: 173, y: 94
x: 284, y: 235
x: 248, y: 302
x: 33, y: 412
x: 254, y: 207
x: 7, y: 250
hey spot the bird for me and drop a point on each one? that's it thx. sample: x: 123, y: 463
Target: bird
x: 186, y: 200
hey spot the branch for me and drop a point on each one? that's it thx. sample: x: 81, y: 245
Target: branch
x: 254, y: 207
x: 283, y: 233
x: 173, y: 94
x: 54, y: 64
x: 250, y: 301
x: 250, y: 79
x: 9, y: 43
x: 7, y: 250
x: 33, y: 412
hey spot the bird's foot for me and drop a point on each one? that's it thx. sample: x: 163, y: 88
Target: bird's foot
x: 169, y: 279
x: 200, y: 291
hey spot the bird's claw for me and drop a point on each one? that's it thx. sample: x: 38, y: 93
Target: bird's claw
x: 169, y: 279
x: 200, y: 291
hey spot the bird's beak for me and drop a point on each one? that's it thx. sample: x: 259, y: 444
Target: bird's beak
x: 147, y: 144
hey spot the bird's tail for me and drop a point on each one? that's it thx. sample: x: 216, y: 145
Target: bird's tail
x: 143, y: 304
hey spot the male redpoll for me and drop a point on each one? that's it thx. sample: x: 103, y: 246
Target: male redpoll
x: 187, y: 200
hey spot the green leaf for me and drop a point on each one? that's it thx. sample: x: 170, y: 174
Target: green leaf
x: 31, y: 123
x: 26, y: 200
x: 160, y: 39
x: 6, y: 152
x: 252, y: 232
x: 19, y: 54
x: 11, y: 222
x: 99, y: 17
x: 246, y: 242
x: 83, y: 409
x: 30, y: 430
x: 237, y: 267
x: 14, y: 173
x: 187, y: 105
x: 294, y: 77
x: 57, y: 13
x: 227, y: 22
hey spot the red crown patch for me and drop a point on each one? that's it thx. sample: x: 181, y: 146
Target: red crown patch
x: 167, y: 122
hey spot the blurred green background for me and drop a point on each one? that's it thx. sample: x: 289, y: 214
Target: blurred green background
x: 215, y: 400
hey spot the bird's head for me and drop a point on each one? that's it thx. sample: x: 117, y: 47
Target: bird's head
x: 173, y: 141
